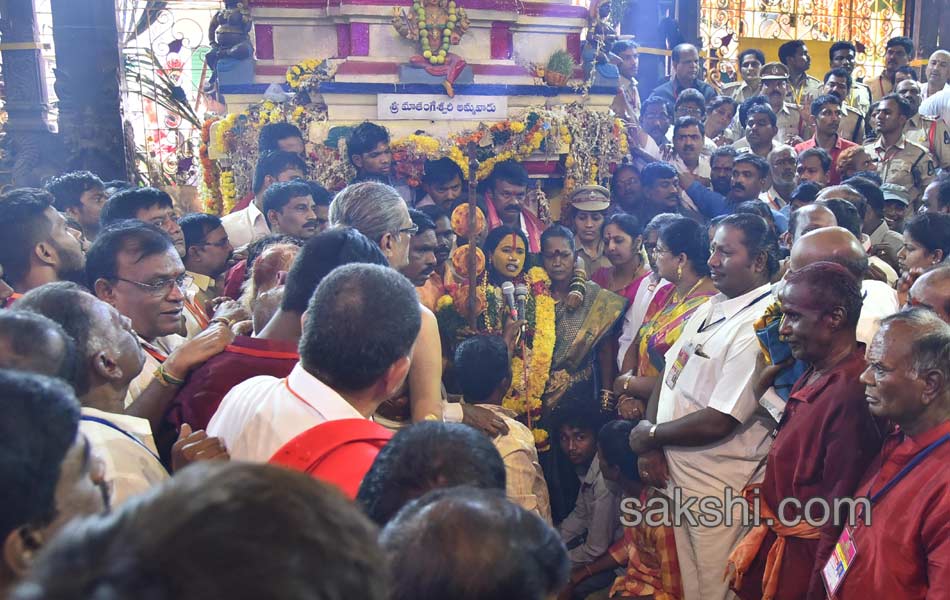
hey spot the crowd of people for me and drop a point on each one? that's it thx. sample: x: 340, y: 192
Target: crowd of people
x: 753, y: 318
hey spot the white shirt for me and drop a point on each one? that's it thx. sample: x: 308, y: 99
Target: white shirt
x: 262, y: 414
x: 923, y: 90
x: 596, y: 512
x: 937, y: 106
x: 145, y: 376
x: 720, y: 378
x: 880, y: 300
x: 245, y: 226
x: 633, y: 319
x: 131, y: 467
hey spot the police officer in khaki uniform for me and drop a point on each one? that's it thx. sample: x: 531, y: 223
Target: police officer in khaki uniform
x: 842, y: 55
x: 838, y: 83
x: 929, y: 132
x: 791, y: 122
x: 802, y: 87
x: 899, y: 161
x: 750, y: 66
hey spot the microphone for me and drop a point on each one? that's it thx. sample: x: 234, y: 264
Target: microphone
x: 521, y: 296
x: 508, y: 291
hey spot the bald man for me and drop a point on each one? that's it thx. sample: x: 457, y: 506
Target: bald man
x: 839, y: 245
x: 809, y: 218
x: 938, y: 74
x: 932, y: 290
x: 31, y: 342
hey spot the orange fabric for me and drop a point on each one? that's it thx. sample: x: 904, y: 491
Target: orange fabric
x: 339, y: 452
x: 744, y: 553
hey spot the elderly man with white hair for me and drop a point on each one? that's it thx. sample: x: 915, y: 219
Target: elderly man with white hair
x: 378, y: 211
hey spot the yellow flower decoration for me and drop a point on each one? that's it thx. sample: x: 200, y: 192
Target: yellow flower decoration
x: 228, y: 191
x: 526, y: 401
x: 443, y: 302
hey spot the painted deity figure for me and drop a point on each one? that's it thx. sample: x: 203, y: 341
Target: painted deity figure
x: 435, y: 25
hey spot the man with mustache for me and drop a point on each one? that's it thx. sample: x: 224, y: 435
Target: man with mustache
x: 842, y: 56
x: 838, y: 82
x: 625, y: 189
x: 899, y: 161
x: 422, y: 248
x: 442, y: 274
x: 505, y: 195
x: 827, y: 112
x: 135, y: 268
x: 898, y: 52
x: 688, y: 143
x: 37, y: 248
x: 929, y: 132
x: 903, y: 552
x: 290, y: 209
x: 775, y: 87
x: 720, y: 169
x: 208, y: 255
x: 782, y: 162
x: 749, y: 180
x: 686, y: 72
x: 825, y: 414
x: 147, y: 204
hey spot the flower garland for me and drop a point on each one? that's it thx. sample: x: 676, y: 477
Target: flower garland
x: 298, y: 74
x: 212, y: 200
x: 525, y: 400
x: 228, y: 192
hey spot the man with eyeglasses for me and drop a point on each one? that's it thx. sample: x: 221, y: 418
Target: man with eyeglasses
x: 136, y: 268
x: 826, y: 110
x: 148, y: 204
x: 208, y: 255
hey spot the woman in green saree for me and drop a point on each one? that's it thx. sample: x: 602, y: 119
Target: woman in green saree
x: 586, y: 316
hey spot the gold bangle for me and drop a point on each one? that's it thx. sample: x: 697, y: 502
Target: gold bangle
x: 223, y: 320
x: 626, y: 383
x: 166, y: 378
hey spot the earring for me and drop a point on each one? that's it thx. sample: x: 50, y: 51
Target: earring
x: 679, y: 272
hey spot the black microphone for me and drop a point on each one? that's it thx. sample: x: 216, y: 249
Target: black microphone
x: 521, y: 297
x: 508, y: 291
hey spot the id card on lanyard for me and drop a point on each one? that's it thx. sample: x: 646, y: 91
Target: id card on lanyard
x: 846, y: 551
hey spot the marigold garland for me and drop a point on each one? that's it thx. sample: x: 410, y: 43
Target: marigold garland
x: 228, y: 192
x: 526, y: 401
x: 297, y: 74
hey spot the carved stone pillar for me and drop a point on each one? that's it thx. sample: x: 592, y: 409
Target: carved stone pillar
x: 28, y: 144
x: 88, y: 68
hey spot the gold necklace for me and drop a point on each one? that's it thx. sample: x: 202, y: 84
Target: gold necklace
x: 676, y: 301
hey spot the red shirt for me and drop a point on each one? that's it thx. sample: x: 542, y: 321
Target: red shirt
x: 246, y: 357
x: 840, y: 144
x: 905, y: 551
x: 824, y: 443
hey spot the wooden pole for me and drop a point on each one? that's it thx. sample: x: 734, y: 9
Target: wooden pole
x: 472, y: 234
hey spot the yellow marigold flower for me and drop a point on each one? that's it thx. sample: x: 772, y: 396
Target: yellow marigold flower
x: 516, y: 126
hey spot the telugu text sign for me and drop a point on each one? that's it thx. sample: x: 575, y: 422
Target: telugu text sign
x: 439, y: 108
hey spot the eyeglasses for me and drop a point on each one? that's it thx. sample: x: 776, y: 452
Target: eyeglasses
x: 410, y: 230
x: 161, y: 288
x: 223, y: 242
x: 656, y: 250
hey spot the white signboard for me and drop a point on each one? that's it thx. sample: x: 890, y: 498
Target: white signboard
x: 436, y: 107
